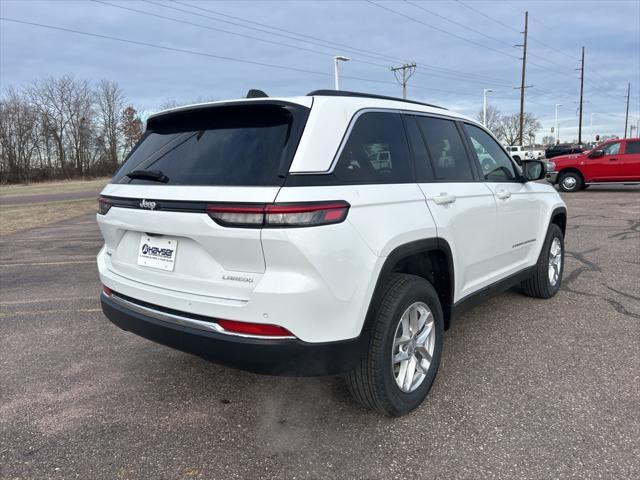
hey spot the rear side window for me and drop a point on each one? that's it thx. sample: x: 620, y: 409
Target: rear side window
x: 632, y: 148
x: 447, y: 152
x: 376, y: 151
x: 495, y: 165
x: 231, y: 145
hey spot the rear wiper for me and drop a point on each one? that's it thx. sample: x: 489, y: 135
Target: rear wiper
x: 154, y: 175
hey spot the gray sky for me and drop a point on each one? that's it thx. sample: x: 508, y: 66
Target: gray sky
x: 460, y: 48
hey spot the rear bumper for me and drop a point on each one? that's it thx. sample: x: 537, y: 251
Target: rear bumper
x: 265, y: 356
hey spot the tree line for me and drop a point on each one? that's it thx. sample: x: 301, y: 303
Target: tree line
x: 62, y: 128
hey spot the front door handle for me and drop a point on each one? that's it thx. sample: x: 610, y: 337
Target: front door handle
x: 612, y: 159
x: 444, y: 198
x: 503, y: 194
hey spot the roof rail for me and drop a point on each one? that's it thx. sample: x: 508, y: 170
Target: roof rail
x: 344, y: 93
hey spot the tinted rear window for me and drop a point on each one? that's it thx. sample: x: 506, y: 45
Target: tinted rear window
x: 376, y: 151
x: 448, y: 155
x: 633, y: 148
x: 231, y: 145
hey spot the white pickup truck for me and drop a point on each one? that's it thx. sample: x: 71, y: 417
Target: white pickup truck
x: 519, y: 153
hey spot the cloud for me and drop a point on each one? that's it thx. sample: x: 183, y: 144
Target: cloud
x: 377, y: 38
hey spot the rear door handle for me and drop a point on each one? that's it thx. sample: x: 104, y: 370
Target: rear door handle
x: 444, y: 198
x: 612, y: 159
x: 503, y: 194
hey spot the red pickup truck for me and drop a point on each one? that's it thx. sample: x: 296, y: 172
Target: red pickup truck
x: 614, y: 161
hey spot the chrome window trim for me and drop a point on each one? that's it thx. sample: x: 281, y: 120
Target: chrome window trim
x: 185, y: 321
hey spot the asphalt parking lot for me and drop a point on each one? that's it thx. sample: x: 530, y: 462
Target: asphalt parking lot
x: 527, y: 388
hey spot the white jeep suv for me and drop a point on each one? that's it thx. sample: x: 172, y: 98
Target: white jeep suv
x: 336, y: 232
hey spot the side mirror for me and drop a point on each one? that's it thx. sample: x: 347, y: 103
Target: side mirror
x: 533, y: 170
x: 597, y: 154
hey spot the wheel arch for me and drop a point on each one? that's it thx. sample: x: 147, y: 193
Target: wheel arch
x: 572, y: 170
x: 429, y: 258
x: 559, y: 217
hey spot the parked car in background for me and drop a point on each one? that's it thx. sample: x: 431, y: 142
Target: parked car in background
x: 615, y: 161
x: 556, y: 150
x: 519, y: 153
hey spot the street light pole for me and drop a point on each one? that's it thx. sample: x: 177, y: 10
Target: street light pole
x: 557, y: 132
x: 591, y: 126
x: 484, y: 105
x: 336, y: 59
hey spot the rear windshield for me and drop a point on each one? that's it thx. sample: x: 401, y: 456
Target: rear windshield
x: 249, y: 145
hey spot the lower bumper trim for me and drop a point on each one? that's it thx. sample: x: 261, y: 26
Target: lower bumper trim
x: 265, y: 356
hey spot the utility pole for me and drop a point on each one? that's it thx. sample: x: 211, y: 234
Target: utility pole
x: 626, y: 118
x: 581, y: 96
x: 407, y: 72
x: 522, y: 83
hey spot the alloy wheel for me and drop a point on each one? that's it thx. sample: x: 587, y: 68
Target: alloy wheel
x: 555, y: 261
x: 413, y: 346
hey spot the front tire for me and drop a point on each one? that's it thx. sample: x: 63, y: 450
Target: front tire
x: 570, y: 182
x: 402, y: 359
x: 547, y: 277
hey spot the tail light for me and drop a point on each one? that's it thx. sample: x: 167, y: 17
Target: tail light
x: 248, y: 328
x: 276, y: 215
x: 104, y: 204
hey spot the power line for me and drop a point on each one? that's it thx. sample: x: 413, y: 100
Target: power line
x: 440, y: 29
x: 303, y: 35
x: 290, y: 37
x: 466, y: 27
x: 445, y: 72
x: 251, y: 37
x: 479, y: 12
x: 454, y: 74
x: 210, y: 55
x: 182, y: 50
x: 461, y: 37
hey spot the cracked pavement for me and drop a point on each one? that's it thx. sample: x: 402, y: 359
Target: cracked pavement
x: 527, y: 388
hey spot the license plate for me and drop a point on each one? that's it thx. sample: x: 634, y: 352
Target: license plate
x: 157, y: 252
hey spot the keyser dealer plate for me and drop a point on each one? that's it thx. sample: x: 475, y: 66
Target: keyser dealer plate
x: 157, y: 253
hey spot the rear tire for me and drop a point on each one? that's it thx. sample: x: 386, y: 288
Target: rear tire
x: 380, y: 381
x: 547, y: 277
x: 570, y: 182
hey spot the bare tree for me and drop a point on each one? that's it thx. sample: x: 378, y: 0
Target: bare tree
x: 132, y: 128
x: 82, y: 126
x: 170, y: 103
x: 50, y: 98
x: 508, y: 131
x: 548, y: 140
x: 18, y: 137
x: 531, y: 127
x: 493, y: 118
x: 109, y: 104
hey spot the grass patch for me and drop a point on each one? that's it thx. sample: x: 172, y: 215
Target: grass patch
x: 15, y: 218
x: 63, y: 186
